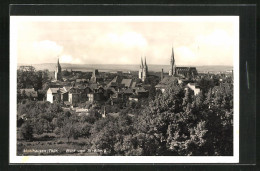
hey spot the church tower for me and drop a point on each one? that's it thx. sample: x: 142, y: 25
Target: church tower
x: 172, y: 71
x: 58, y: 71
x: 143, y: 70
x: 140, y: 76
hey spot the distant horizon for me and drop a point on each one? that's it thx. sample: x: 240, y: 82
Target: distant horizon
x: 118, y: 64
x: 125, y: 67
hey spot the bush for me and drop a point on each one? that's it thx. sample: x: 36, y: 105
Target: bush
x: 57, y: 131
x: 20, y: 121
x: 27, y: 131
x: 68, y: 114
x: 60, y: 142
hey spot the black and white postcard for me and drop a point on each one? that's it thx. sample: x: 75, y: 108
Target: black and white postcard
x: 124, y: 89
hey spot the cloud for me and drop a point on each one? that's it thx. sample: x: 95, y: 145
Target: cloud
x: 47, y: 47
x: 185, y: 54
x: 128, y: 39
x: 126, y: 42
x: 44, y: 51
x: 66, y: 59
x: 217, y: 38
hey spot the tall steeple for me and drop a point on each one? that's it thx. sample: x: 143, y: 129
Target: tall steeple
x: 172, y: 63
x: 58, y: 71
x: 143, y: 71
x: 140, y: 75
x: 142, y: 65
x: 145, y: 65
x: 58, y: 65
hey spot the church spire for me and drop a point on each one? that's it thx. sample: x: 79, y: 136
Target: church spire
x: 172, y: 63
x: 58, y: 71
x: 172, y: 57
x: 145, y: 61
x: 142, y: 62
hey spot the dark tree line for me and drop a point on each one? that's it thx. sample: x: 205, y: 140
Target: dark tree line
x: 175, y: 123
x: 28, y: 77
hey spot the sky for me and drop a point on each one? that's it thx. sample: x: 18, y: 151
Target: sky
x: 195, y: 42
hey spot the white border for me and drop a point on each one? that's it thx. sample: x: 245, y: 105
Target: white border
x: 13, y: 158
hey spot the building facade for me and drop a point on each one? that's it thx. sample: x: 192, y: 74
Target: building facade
x: 53, y: 94
x: 186, y: 72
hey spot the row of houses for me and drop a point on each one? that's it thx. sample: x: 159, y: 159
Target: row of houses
x: 166, y: 80
x: 74, y: 95
x: 118, y: 88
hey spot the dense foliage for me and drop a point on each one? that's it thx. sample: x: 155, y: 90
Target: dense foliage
x: 175, y: 123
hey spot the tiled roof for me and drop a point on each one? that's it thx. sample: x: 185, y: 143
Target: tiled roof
x: 63, y: 90
x: 93, y: 86
x: 74, y: 90
x: 133, y: 84
x: 127, y: 82
x: 81, y: 80
x: 140, y: 90
x: 54, y: 90
x: 128, y: 91
x: 67, y: 88
x: 116, y: 80
x: 166, y: 80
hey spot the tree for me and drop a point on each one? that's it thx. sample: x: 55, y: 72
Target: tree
x: 152, y: 93
x: 27, y: 131
x: 26, y: 77
x: 68, y: 129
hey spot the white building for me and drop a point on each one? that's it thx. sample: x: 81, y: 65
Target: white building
x: 194, y: 88
x: 53, y: 94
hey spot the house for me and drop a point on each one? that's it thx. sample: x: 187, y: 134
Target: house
x: 164, y: 82
x: 74, y: 95
x: 53, y: 94
x: 96, y: 94
x: 141, y: 92
x: 81, y: 80
x: 115, y: 83
x: 127, y: 82
x: 115, y: 96
x: 128, y: 92
x: 194, y: 87
x: 133, y: 98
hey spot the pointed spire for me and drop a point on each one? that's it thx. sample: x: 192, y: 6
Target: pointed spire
x: 58, y: 63
x: 142, y: 62
x: 172, y: 57
x: 173, y: 69
x: 145, y: 60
